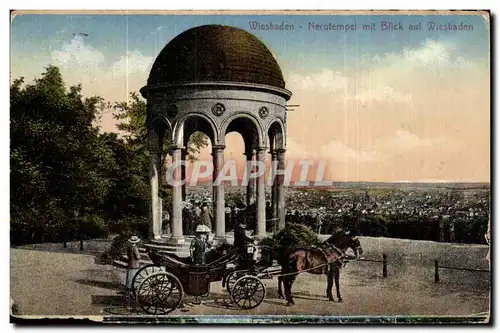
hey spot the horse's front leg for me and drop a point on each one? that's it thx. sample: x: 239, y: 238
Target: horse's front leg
x: 329, y: 279
x: 280, y: 282
x: 336, y: 275
x: 288, y: 282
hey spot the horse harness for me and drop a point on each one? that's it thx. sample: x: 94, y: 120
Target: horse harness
x: 341, y: 260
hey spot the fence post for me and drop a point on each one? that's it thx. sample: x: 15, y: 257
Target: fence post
x: 436, y: 271
x: 384, y: 263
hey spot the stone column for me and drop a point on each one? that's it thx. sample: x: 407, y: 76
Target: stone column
x: 218, y: 190
x: 154, y: 225
x: 183, y: 173
x: 274, y: 191
x: 160, y: 170
x: 250, y: 195
x: 176, y: 218
x: 261, y: 196
x: 280, y: 191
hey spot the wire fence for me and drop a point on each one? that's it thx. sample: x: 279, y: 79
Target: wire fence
x: 383, y: 261
x: 437, y: 268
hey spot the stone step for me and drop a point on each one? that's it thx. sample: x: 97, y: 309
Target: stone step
x: 165, y: 247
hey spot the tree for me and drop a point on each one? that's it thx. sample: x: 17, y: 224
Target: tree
x: 58, y: 158
x: 63, y: 168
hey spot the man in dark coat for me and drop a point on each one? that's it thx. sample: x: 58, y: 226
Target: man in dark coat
x: 241, y: 240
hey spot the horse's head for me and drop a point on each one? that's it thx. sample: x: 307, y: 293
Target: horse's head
x: 355, y: 245
x: 344, y: 240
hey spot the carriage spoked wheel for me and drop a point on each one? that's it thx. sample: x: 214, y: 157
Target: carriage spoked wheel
x: 160, y: 293
x: 248, y: 292
x: 142, y: 273
x: 232, y: 278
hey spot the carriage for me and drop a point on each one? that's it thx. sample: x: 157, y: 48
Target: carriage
x: 160, y: 287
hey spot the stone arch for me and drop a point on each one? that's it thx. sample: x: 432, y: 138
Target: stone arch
x: 161, y: 126
x: 247, y: 125
x: 201, y: 123
x: 277, y: 134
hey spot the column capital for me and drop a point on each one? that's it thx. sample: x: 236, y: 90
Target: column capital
x: 218, y: 147
x: 280, y: 150
x: 174, y: 147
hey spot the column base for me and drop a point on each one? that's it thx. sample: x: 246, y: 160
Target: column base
x: 176, y: 240
x: 169, y: 240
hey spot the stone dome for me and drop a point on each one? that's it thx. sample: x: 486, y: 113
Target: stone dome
x: 215, y: 53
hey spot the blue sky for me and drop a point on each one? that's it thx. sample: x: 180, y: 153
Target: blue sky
x: 113, y: 34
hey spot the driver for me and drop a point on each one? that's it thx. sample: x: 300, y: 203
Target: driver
x: 241, y: 241
x: 199, y: 245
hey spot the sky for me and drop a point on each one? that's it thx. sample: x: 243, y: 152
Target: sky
x: 376, y: 105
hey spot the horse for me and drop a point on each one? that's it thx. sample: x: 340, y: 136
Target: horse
x: 327, y: 258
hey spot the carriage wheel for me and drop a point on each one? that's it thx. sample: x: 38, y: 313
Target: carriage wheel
x: 248, y: 292
x: 142, y: 273
x: 232, y: 278
x: 160, y: 293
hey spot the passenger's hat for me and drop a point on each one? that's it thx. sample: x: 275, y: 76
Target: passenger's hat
x: 201, y: 228
x: 134, y: 240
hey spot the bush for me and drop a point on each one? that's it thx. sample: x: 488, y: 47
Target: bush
x: 117, y: 249
x: 127, y: 227
x: 93, y: 226
x: 293, y: 236
x: 137, y: 225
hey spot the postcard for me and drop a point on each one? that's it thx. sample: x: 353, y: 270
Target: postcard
x: 250, y: 167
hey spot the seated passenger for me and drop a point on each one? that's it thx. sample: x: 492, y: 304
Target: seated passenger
x: 200, y: 245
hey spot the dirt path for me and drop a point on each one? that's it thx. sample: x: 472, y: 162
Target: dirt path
x: 47, y: 283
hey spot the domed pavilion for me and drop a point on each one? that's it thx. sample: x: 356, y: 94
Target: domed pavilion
x: 216, y: 80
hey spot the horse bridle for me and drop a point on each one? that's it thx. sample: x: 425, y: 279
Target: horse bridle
x: 342, y: 259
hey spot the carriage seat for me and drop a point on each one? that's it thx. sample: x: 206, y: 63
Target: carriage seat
x: 183, y: 263
x: 183, y: 260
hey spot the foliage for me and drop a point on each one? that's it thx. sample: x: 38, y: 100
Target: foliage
x: 129, y: 227
x: 293, y: 236
x: 58, y: 158
x: 93, y: 226
x: 68, y: 180
x: 117, y: 249
x: 130, y: 195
